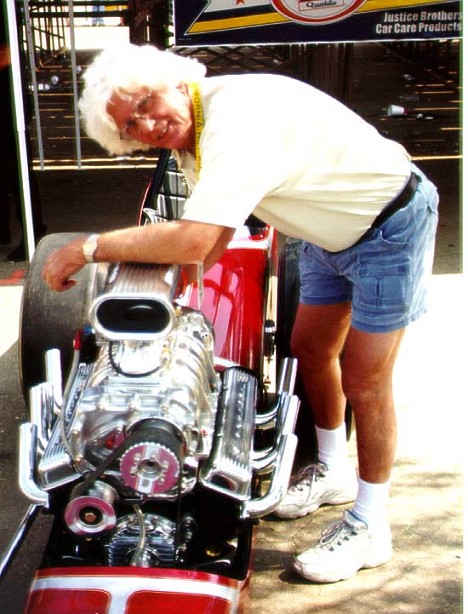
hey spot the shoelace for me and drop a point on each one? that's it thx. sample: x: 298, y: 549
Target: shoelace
x: 310, y: 474
x: 336, y: 534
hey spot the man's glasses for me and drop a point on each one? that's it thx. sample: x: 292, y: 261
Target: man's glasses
x: 138, y: 118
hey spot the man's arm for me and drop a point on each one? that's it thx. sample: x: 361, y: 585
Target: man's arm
x: 181, y: 242
x: 219, y: 248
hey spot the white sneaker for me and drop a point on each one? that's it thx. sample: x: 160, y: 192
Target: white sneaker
x: 345, y: 547
x: 314, y: 486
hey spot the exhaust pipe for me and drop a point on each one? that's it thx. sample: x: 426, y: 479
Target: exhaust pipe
x: 27, y: 464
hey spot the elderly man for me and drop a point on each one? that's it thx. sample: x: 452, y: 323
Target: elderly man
x: 301, y: 161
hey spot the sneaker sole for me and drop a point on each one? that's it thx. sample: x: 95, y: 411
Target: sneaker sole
x: 324, y: 578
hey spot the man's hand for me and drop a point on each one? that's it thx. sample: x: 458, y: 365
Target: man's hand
x: 62, y: 264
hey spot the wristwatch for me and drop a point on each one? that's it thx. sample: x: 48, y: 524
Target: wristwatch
x: 90, y: 247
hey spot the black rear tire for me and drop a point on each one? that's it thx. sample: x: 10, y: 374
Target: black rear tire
x: 49, y: 319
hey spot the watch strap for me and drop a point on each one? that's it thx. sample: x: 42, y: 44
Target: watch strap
x: 90, y: 247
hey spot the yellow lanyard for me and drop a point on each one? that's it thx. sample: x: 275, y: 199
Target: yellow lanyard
x: 194, y: 90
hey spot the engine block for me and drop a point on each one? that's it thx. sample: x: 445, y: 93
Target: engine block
x: 145, y: 415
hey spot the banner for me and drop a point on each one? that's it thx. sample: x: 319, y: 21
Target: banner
x: 252, y: 22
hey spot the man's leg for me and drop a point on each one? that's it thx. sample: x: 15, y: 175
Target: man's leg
x: 318, y: 338
x: 363, y: 538
x: 368, y: 364
x: 317, y: 341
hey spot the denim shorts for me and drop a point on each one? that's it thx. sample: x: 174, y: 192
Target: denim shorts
x: 384, y: 276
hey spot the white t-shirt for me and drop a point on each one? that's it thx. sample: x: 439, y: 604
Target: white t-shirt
x: 292, y: 155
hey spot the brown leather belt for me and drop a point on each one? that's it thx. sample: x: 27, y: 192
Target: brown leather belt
x: 394, y: 205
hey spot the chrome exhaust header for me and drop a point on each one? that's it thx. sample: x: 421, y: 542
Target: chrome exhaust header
x: 27, y: 463
x: 285, y: 386
x: 277, y: 460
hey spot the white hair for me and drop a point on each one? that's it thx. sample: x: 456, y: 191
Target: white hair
x: 127, y: 69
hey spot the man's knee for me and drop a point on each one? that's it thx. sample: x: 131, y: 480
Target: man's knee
x: 319, y: 332
x: 366, y: 391
x: 312, y: 351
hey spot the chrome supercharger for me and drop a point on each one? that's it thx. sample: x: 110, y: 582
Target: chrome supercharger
x: 161, y: 438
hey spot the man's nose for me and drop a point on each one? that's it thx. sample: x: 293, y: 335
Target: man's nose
x: 147, y: 123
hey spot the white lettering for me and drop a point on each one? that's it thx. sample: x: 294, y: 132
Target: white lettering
x: 400, y: 17
x: 406, y: 28
x: 440, y: 16
x: 439, y: 27
x: 381, y: 28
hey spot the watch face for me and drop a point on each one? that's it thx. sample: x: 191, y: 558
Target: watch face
x: 316, y: 11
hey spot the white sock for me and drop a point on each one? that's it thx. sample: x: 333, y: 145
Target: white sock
x: 371, y: 502
x: 332, y: 446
